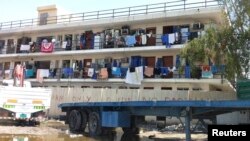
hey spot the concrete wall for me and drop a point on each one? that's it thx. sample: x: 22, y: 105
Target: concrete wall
x: 234, y: 118
x: 62, y: 95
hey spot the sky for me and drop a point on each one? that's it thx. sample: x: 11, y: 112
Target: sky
x: 12, y: 10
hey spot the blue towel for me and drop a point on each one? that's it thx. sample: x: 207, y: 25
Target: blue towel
x: 164, y: 71
x: 164, y: 39
x: 159, y: 63
x: 130, y: 40
x: 214, y: 69
x: 124, y: 72
x: 116, y: 71
x: 187, y: 72
x: 68, y: 71
x: 178, y: 61
x: 114, y: 63
x: 29, y: 73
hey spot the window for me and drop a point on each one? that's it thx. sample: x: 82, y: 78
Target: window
x: 85, y: 86
x: 197, y: 89
x: 10, y: 46
x: 166, y: 88
x: 122, y: 87
x: 183, y: 89
x: 134, y: 87
x: 148, y: 88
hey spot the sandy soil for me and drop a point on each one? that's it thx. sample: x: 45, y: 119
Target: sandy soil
x: 56, y: 127
x: 45, y: 128
x: 173, y: 135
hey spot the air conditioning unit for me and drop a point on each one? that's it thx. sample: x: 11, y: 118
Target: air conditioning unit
x: 197, y: 26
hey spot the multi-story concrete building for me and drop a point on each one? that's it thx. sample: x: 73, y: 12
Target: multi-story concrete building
x: 129, y: 49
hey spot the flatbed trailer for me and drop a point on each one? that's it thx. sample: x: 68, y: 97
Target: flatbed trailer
x: 105, y: 115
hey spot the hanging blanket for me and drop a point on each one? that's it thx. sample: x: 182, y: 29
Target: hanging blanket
x: 47, y: 47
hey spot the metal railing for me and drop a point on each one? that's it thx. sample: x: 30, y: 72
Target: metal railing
x: 111, y: 13
x: 82, y: 73
x: 101, y: 44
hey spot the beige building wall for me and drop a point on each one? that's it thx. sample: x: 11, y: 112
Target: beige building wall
x: 51, y: 11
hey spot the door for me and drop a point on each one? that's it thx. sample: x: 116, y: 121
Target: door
x: 86, y: 66
x: 150, y: 62
x: 168, y: 62
x: 151, y: 36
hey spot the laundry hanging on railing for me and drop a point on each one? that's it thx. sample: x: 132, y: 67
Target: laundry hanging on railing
x: 25, y: 48
x: 116, y: 71
x: 149, y: 71
x: 187, y: 72
x: 29, y: 73
x: 64, y: 44
x: 47, y: 47
x: 206, y: 72
x: 41, y: 73
x: 134, y: 75
x: 130, y: 41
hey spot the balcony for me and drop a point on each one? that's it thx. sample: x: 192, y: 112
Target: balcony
x: 103, y: 44
x: 173, y: 6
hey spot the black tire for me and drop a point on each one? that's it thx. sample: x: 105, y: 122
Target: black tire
x: 75, y: 121
x: 84, y: 120
x: 94, y: 123
x: 131, y: 130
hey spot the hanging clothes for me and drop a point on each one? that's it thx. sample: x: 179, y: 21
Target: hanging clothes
x: 19, y: 73
x: 41, y: 73
x: 187, y: 72
x: 135, y: 61
x: 144, y: 39
x: 97, y: 41
x: 91, y: 72
x: 159, y: 63
x: 82, y: 41
x: 214, y: 69
x: 171, y: 38
x: 164, y: 39
x: 123, y: 72
x: 149, y: 71
x: 164, y: 72
x: 116, y: 71
x: 29, y: 73
x: 64, y: 44
x: 103, y: 73
x: 177, y: 61
x: 134, y: 76
x: 206, y: 72
x: 130, y: 41
x: 38, y: 76
x: 25, y: 48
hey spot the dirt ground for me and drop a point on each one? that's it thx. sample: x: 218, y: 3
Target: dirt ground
x: 56, y: 127
x: 45, y: 128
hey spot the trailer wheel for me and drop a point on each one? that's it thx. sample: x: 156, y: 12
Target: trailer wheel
x: 95, y: 128
x: 75, y: 121
x: 84, y: 120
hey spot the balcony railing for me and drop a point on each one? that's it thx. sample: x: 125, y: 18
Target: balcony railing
x: 103, y: 43
x: 111, y: 13
x: 70, y: 74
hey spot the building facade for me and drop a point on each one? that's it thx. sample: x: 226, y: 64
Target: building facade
x: 127, y: 49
